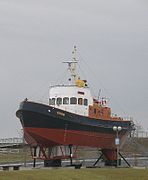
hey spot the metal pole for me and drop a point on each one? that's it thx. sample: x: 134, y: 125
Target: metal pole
x: 34, y: 158
x: 98, y: 159
x: 117, y: 141
x: 70, y: 148
x: 124, y: 159
x: 117, y: 147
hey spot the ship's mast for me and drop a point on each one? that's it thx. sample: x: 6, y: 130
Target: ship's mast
x: 72, y: 66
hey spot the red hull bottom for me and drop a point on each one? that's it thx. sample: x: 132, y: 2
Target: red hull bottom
x: 52, y: 137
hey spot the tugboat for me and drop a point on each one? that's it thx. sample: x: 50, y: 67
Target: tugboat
x: 72, y: 118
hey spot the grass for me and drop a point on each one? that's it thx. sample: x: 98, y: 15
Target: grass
x: 76, y: 174
x: 20, y: 155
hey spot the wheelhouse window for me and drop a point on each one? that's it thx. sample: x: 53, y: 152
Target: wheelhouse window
x: 73, y: 100
x: 59, y: 101
x: 80, y: 101
x: 65, y: 100
x: 85, y: 102
x: 52, y: 101
x: 95, y: 111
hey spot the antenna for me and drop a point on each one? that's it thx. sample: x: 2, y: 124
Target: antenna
x: 72, y: 65
x: 99, y: 93
x: 73, y: 69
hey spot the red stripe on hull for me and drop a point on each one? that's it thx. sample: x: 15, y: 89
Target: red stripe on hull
x: 52, y: 137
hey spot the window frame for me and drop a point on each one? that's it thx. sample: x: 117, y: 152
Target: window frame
x: 71, y: 99
x: 50, y: 101
x: 65, y: 100
x: 57, y: 101
x: 85, y: 102
x: 80, y: 101
x: 53, y: 101
x: 95, y: 111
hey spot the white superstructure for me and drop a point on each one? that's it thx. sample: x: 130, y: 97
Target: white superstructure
x: 71, y: 98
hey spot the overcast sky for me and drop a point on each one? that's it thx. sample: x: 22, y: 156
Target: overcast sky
x: 37, y: 35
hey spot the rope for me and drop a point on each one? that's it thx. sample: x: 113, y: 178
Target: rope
x: 94, y: 75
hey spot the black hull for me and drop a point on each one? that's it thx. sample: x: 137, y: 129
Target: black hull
x: 43, y: 117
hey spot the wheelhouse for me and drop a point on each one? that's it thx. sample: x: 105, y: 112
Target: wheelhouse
x: 71, y: 98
